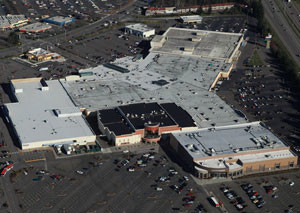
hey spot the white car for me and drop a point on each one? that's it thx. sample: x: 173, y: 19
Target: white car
x: 158, y: 189
x: 79, y: 172
x: 130, y: 169
x: 292, y: 183
x: 185, y: 178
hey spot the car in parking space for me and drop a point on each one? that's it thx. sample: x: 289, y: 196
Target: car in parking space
x: 5, y: 152
x: 79, y: 172
x: 185, y: 178
x: 239, y: 207
x: 131, y: 169
x: 148, y: 173
x: 259, y: 205
x: 224, y: 189
x: 270, y: 189
x: 124, y: 162
x: 246, y: 187
x: 187, y: 204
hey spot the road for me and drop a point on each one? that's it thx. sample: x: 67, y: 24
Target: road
x: 292, y: 11
x: 283, y: 29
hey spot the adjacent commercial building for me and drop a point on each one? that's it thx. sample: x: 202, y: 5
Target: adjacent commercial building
x: 12, y: 21
x: 191, y: 19
x: 40, y: 54
x: 149, y: 11
x: 130, y: 124
x: 198, y: 43
x: 232, y: 151
x: 43, y: 114
x: 218, y: 7
x: 140, y: 30
x: 59, y: 20
x: 35, y: 28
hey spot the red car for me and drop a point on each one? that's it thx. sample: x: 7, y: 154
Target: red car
x: 187, y: 205
x: 254, y: 194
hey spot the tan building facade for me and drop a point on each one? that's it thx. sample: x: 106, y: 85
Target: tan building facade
x: 232, y: 151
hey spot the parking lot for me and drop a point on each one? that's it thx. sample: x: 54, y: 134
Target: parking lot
x: 105, y: 47
x: 283, y: 198
x: 234, y: 24
x: 110, y: 43
x: 263, y: 93
x: 77, y: 8
x: 108, y: 183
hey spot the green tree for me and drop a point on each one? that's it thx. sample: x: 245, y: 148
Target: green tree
x: 13, y: 38
x: 258, y: 12
x: 209, y: 9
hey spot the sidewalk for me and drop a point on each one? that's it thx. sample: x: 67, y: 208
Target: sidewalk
x: 136, y: 148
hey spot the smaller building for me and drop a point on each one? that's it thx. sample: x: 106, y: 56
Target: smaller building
x: 59, y: 20
x: 12, y: 21
x: 191, y: 19
x: 35, y: 28
x: 218, y: 7
x: 40, y: 54
x: 141, y: 30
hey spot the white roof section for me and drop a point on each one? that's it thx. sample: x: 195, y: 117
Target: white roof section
x: 240, y: 138
x: 45, y: 114
x: 191, y: 18
x: 189, y: 79
x: 38, y: 51
x: 34, y: 27
x: 6, y: 21
x: 60, y: 19
x: 139, y: 27
x: 200, y: 43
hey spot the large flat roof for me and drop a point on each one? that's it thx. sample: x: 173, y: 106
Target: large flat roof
x: 45, y: 112
x: 113, y: 120
x: 7, y: 20
x: 141, y: 113
x: 133, y: 117
x: 182, y: 118
x: 35, y: 27
x: 60, y: 19
x: 189, y: 79
x: 200, y: 43
x: 230, y: 139
x: 139, y: 27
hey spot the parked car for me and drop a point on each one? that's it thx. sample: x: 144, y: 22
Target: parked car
x: 79, y: 172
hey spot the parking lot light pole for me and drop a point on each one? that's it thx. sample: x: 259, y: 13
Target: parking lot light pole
x: 65, y: 34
